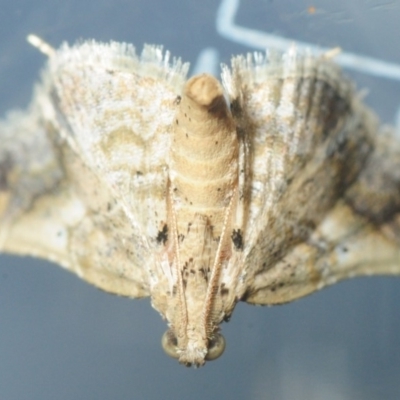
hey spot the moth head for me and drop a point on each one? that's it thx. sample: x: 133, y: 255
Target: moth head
x: 193, y: 355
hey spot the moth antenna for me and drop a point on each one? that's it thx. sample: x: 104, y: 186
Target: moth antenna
x: 41, y: 45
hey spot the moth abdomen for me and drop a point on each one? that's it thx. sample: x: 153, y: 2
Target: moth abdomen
x: 205, y: 145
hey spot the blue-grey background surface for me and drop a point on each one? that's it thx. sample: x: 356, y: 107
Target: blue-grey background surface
x: 61, y: 338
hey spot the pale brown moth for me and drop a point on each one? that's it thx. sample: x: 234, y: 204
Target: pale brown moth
x: 263, y: 189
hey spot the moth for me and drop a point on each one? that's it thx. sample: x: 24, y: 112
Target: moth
x: 264, y: 189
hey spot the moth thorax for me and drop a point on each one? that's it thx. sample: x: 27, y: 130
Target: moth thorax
x: 204, y: 149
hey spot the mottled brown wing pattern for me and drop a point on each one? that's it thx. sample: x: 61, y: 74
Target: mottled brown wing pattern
x: 312, y: 143
x: 75, y: 170
x: 104, y: 248
x: 52, y: 206
x: 115, y: 110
